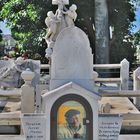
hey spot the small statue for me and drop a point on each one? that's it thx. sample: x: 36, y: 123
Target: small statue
x: 62, y: 18
x: 61, y: 7
x: 59, y: 13
x: 70, y: 15
x: 51, y: 23
x: 49, y: 50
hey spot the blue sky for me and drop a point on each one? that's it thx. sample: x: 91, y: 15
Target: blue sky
x: 4, y: 29
x: 137, y: 23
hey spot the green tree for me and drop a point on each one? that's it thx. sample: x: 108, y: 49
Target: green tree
x: 0, y: 29
x: 121, y: 16
x: 136, y: 43
x: 0, y: 35
x: 26, y: 20
x: 1, y: 49
x: 0, y: 32
x: 1, y: 44
x: 136, y: 38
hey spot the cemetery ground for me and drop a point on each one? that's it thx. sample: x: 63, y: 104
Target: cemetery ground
x: 122, y: 137
x: 73, y: 101
x: 11, y: 112
x: 112, y: 102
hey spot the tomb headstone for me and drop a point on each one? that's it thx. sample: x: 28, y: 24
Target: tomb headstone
x: 72, y: 59
x: 57, y: 102
x: 71, y: 83
x: 33, y: 126
x: 109, y: 126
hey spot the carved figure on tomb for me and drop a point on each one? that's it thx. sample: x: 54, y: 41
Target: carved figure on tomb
x: 70, y: 15
x: 51, y: 22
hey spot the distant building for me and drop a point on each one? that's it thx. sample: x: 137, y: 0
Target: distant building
x: 9, y: 43
x: 138, y: 53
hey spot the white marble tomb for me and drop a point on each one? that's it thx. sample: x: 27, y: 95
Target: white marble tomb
x: 72, y: 59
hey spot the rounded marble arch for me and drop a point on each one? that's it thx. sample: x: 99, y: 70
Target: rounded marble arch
x: 88, y: 121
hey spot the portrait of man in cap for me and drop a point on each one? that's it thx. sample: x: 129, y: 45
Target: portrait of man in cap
x: 73, y: 128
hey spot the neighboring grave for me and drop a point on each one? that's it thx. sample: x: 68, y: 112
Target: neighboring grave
x: 10, y: 71
x: 109, y: 126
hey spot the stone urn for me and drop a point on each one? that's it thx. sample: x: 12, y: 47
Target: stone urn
x: 27, y: 76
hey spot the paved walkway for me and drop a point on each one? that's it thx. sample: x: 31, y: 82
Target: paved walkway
x: 122, y: 137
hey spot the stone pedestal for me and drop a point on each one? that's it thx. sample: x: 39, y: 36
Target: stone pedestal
x: 136, y: 85
x: 72, y: 59
x: 27, y: 95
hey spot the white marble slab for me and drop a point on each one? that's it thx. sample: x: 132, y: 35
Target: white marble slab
x: 19, y: 137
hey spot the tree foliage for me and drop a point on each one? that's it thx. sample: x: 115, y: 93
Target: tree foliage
x: 1, y: 49
x: 1, y: 44
x: 121, y: 16
x: 136, y: 40
x: 0, y: 32
x: 0, y: 35
x: 26, y: 20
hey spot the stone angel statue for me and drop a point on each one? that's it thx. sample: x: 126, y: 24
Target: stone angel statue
x: 70, y: 15
x: 51, y: 22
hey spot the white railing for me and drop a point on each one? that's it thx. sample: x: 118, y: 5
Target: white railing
x: 27, y: 92
x: 9, y: 93
x: 124, y: 73
x: 119, y: 93
x: 136, y: 85
x: 45, y: 66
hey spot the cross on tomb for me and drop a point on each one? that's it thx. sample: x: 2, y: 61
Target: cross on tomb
x: 61, y: 8
x: 60, y: 2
